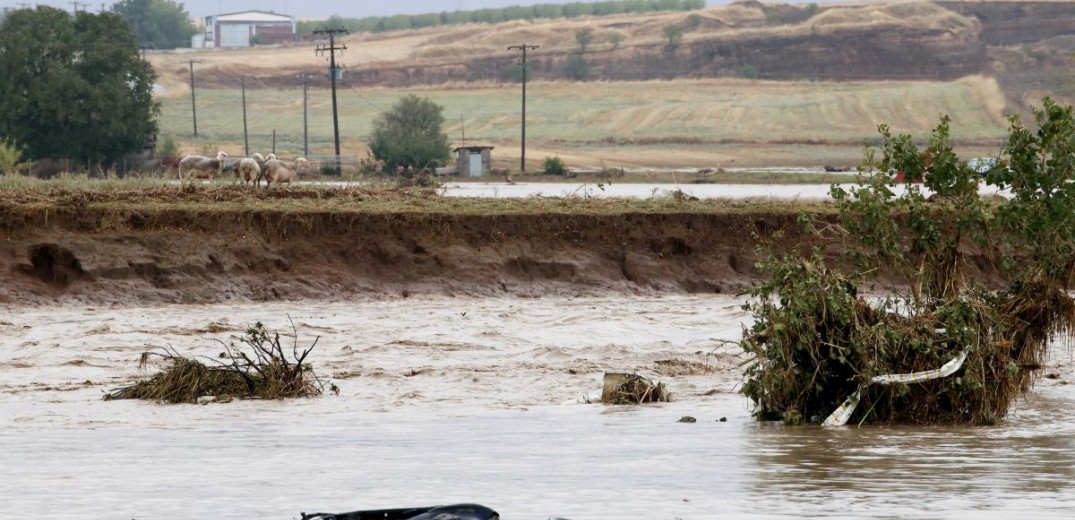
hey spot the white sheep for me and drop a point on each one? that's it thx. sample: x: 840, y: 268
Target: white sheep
x: 248, y: 171
x: 277, y: 171
x: 261, y: 164
x: 201, y: 167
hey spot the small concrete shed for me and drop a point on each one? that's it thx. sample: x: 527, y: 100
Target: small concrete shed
x: 474, y: 161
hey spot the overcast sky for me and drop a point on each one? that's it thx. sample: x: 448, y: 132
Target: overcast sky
x: 321, y: 8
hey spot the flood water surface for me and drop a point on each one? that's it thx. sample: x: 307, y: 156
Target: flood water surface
x: 447, y: 400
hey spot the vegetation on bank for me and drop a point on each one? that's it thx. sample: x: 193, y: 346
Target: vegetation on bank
x: 378, y: 24
x: 818, y: 342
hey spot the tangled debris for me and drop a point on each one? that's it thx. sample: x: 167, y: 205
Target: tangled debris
x: 621, y: 388
x: 254, y: 366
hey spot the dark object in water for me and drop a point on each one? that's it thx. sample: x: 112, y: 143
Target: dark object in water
x: 453, y: 512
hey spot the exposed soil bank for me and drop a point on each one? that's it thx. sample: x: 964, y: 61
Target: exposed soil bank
x: 226, y: 244
x: 198, y: 256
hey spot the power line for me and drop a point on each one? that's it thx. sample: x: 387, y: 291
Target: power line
x: 193, y: 101
x: 523, y: 47
x: 332, y: 48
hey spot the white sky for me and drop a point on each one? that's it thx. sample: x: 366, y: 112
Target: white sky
x: 319, y: 8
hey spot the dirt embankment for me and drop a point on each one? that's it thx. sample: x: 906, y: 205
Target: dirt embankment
x: 100, y: 255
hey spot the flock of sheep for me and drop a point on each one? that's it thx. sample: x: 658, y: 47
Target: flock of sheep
x: 249, y: 170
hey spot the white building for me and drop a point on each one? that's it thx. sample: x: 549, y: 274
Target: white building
x: 243, y: 29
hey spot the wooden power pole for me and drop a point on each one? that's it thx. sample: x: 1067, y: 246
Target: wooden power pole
x: 332, y: 48
x: 524, y: 47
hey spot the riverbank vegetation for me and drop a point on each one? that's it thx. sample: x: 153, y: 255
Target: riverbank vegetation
x: 822, y: 333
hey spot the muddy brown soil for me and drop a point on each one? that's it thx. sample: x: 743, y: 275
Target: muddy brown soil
x: 193, y: 255
x: 194, y: 246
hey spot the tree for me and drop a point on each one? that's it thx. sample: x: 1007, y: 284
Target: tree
x: 158, y: 24
x: 74, y: 87
x: 674, y: 35
x: 615, y: 39
x: 584, y: 36
x: 410, y: 135
x: 577, y: 68
x: 11, y: 158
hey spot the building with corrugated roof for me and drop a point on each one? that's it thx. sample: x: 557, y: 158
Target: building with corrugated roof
x: 247, y: 28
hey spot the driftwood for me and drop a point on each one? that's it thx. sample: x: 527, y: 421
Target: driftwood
x: 624, y: 388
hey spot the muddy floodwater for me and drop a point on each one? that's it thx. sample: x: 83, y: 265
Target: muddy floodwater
x: 447, y: 400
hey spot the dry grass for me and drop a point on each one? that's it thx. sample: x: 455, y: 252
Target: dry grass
x: 232, y: 199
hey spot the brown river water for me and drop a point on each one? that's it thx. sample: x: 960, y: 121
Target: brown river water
x: 446, y: 400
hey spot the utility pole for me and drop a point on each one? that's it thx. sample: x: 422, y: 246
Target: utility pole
x: 193, y: 102
x: 523, y: 47
x: 76, y: 5
x: 332, y: 48
x: 246, y: 137
x: 305, y: 119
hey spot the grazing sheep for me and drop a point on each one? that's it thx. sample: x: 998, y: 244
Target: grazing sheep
x: 230, y: 166
x: 277, y: 171
x: 201, y: 167
x: 248, y: 171
x: 261, y: 165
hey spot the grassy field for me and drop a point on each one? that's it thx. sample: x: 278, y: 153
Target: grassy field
x: 683, y: 123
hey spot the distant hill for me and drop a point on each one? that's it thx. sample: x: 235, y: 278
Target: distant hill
x: 1026, y: 45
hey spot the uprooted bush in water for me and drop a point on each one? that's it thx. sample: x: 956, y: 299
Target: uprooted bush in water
x: 816, y: 342
x: 252, y: 366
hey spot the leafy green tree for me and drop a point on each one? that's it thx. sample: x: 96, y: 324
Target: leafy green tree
x: 694, y: 20
x: 615, y: 39
x: 577, y: 68
x: 410, y: 135
x: 74, y: 87
x: 158, y: 24
x: 674, y: 35
x: 584, y: 36
x: 11, y: 158
x: 514, y: 72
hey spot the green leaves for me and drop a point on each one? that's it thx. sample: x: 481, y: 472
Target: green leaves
x: 157, y: 24
x: 410, y: 135
x: 11, y: 158
x: 913, y: 219
x: 1040, y: 172
x: 73, y: 87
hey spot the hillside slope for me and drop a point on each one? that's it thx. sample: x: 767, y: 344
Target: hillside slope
x: 747, y: 39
